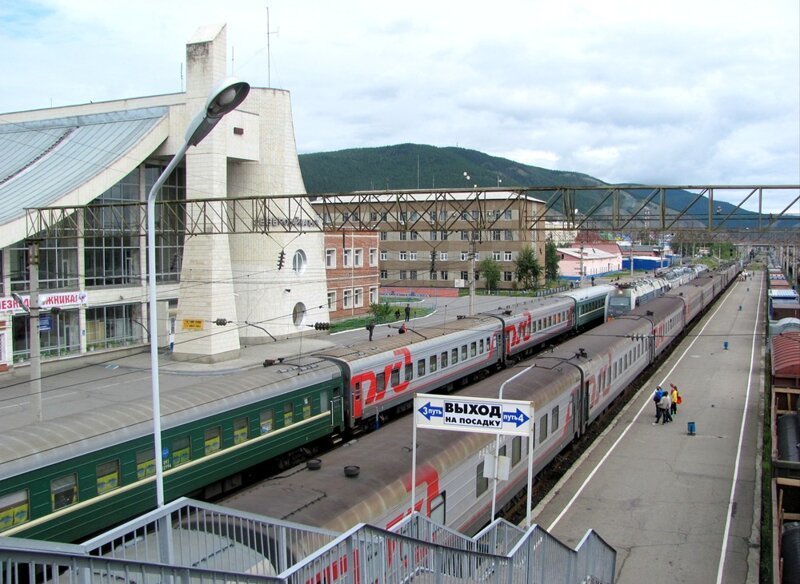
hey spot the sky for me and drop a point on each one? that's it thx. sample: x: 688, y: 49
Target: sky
x: 680, y: 92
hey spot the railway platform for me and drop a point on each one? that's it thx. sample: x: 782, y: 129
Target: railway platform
x: 681, y: 506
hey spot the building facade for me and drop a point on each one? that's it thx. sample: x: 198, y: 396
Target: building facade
x: 93, y: 155
x: 424, y: 244
x: 351, y: 272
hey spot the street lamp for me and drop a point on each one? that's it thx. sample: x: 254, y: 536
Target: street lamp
x: 224, y: 98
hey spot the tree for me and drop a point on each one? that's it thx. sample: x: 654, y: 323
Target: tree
x: 491, y: 272
x: 528, y: 268
x: 381, y: 312
x: 550, y: 261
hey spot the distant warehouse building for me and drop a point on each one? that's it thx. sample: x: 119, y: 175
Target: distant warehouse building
x: 426, y: 247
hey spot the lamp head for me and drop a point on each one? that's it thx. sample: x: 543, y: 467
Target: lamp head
x: 224, y: 98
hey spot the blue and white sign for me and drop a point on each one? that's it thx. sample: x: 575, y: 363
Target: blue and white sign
x: 465, y: 414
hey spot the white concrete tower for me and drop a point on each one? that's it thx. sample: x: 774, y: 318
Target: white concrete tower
x: 206, y: 288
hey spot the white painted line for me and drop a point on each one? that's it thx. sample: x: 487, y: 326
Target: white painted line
x: 633, y: 421
x: 728, y: 520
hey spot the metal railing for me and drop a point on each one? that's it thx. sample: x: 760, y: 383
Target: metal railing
x: 189, y: 541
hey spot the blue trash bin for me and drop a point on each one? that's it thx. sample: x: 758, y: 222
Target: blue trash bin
x: 725, y: 345
x: 691, y: 429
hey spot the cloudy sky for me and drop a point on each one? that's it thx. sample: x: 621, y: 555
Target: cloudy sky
x: 678, y: 92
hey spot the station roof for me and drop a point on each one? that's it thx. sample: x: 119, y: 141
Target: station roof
x: 48, y: 162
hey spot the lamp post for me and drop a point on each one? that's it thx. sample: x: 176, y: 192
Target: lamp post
x: 224, y: 98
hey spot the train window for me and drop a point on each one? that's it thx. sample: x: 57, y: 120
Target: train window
x: 240, y: 426
x: 409, y: 371
x: 64, y: 492
x: 211, y: 441
x: 488, y: 343
x: 107, y: 476
x: 288, y: 414
x: 614, y: 374
x: 481, y: 482
x: 324, y: 402
x: 438, y: 509
x: 266, y: 421
x: 433, y: 363
x: 542, y: 428
x: 473, y: 349
x: 463, y: 352
x: 443, y: 359
x: 516, y: 450
x: 306, y: 408
x: 380, y: 381
x: 454, y: 356
x: 14, y: 509
x: 395, y: 379
x: 145, y: 464
x: 554, y: 419
x: 626, y: 361
x: 480, y: 346
x: 420, y: 367
x: 181, y: 451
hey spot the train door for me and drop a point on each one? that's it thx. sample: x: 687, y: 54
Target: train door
x: 337, y: 408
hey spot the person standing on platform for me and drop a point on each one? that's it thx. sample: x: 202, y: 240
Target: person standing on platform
x: 371, y: 328
x: 675, y: 397
x: 657, y: 395
x: 408, y: 312
x: 666, y: 406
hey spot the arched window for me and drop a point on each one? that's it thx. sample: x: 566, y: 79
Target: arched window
x: 299, y: 262
x: 299, y: 314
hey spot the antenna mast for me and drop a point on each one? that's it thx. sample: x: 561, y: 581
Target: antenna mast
x: 269, y: 54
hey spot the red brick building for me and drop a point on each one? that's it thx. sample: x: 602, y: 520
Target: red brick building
x: 352, y: 272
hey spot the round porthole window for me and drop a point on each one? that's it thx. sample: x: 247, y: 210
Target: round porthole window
x: 299, y: 314
x: 299, y: 262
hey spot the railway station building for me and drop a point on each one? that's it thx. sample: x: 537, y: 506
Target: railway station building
x: 89, y: 155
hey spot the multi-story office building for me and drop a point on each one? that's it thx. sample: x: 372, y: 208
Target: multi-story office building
x: 351, y: 268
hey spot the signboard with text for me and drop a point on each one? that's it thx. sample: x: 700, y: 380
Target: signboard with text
x: 468, y: 414
x: 46, y: 301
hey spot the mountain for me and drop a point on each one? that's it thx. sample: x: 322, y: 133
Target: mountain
x: 418, y: 166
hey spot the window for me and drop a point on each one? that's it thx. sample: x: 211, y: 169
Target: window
x: 324, y: 402
x: 373, y: 256
x: 403, y: 235
x: 420, y: 367
x: 414, y: 236
x: 443, y: 275
x: 359, y: 257
x: 508, y: 214
x: 495, y: 235
x: 107, y: 476
x: 516, y: 450
x: 330, y: 258
x: 14, y: 509
x: 384, y: 255
x: 473, y: 349
x: 480, y: 346
x: 413, y: 274
x: 463, y: 352
x: 266, y: 422
x: 181, y: 451
x: 299, y: 262
x: 348, y: 258
x: 383, y: 236
x: 409, y: 372
x: 395, y: 379
x: 464, y: 236
x: 508, y: 276
x: 403, y: 256
x: 554, y: 419
x: 481, y: 482
x: 145, y: 464
x: 464, y: 256
x: 508, y: 235
x: 432, y: 363
x: 433, y: 275
x: 306, y: 408
x: 288, y: 414
x: 542, y: 428
x: 507, y: 256
x: 347, y: 298
x: 332, y: 300
x: 211, y: 440
x: 443, y: 256
x: 454, y: 356
x: 464, y: 275
x: 496, y: 255
x: 443, y: 359
x: 412, y: 256
x: 384, y: 274
x: 358, y: 297
x: 432, y: 235
x: 64, y: 492
x: 240, y: 430
x: 443, y: 235
x: 373, y: 295
x: 403, y: 275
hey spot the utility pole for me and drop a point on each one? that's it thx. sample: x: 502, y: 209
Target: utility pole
x: 472, y: 275
x: 580, y: 282
x: 33, y: 330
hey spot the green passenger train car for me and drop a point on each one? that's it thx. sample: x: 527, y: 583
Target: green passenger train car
x: 70, y: 477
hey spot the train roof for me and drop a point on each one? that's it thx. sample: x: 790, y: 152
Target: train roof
x: 49, y: 441
x: 413, y: 336
x: 786, y: 354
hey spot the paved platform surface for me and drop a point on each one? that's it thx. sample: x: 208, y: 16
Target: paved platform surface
x: 679, y: 507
